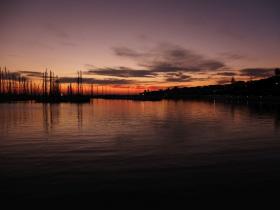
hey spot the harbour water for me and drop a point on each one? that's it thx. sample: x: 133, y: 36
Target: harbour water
x: 111, y: 148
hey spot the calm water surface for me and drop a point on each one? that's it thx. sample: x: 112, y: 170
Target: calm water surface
x: 111, y: 147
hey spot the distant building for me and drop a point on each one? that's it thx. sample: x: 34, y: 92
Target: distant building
x: 277, y: 72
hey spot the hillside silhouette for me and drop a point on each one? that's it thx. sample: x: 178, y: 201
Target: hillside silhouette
x: 268, y: 88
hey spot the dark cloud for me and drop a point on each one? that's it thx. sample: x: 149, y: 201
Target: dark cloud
x: 97, y: 81
x: 171, y: 58
x: 31, y: 73
x: 14, y: 76
x: 127, y: 52
x: 223, y: 81
x: 257, y: 72
x: 233, y: 56
x: 211, y: 65
x: 167, y: 67
x: 163, y: 60
x: 121, y: 72
x: 178, y: 77
x: 227, y: 74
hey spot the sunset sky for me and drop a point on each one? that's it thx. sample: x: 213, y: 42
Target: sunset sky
x: 147, y: 43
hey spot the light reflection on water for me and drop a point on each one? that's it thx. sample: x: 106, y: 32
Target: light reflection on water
x: 116, y: 140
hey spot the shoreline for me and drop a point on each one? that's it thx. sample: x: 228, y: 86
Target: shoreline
x: 87, y: 99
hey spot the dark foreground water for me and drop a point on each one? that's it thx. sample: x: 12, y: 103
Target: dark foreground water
x: 113, y: 149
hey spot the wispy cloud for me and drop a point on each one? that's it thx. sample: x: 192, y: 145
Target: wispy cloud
x: 56, y: 31
x: 257, y: 72
x: 227, y: 74
x: 31, y: 74
x: 68, y: 44
x: 12, y: 76
x: 97, y: 81
x: 167, y: 61
x: 62, y: 36
x: 170, y: 58
x: 127, y: 52
x: 178, y: 77
x: 121, y: 72
x: 233, y: 56
x: 223, y: 81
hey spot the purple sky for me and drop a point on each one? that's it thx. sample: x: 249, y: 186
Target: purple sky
x: 172, y: 42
